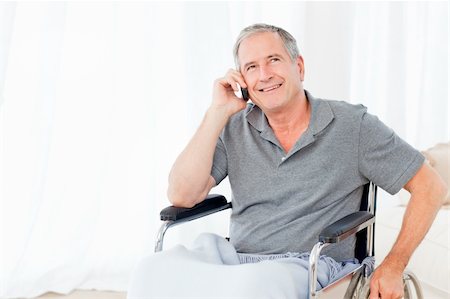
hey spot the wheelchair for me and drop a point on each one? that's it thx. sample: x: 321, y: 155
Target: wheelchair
x: 354, y: 285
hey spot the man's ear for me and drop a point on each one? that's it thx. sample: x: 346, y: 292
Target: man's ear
x: 301, y: 67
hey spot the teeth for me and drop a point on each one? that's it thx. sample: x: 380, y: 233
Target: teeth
x: 270, y: 88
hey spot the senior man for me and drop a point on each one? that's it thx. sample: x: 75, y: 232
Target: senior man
x: 296, y: 163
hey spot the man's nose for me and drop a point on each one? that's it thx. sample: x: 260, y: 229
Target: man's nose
x: 265, y: 74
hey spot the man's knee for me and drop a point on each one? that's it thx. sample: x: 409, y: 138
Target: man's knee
x: 270, y: 279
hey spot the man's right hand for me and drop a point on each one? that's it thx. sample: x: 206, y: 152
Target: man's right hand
x: 224, y: 99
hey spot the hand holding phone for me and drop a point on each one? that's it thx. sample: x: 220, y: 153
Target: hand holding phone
x: 228, y: 97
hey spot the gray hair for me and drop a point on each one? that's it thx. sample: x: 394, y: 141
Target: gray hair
x: 288, y: 40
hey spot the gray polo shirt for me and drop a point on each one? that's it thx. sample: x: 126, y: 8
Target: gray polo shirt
x: 281, y: 201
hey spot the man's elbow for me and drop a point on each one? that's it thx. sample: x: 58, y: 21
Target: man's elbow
x: 181, y: 199
x: 184, y: 194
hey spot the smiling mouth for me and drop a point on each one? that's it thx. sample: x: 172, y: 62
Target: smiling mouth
x: 270, y: 88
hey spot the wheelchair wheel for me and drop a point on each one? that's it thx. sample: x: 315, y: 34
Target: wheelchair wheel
x: 409, y: 279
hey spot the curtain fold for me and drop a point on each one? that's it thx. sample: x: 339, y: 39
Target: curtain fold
x: 98, y: 99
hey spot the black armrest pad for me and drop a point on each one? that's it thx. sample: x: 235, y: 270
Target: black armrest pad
x: 346, y: 226
x: 210, y: 203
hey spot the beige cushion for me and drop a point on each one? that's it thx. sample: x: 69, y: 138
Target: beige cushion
x: 438, y: 157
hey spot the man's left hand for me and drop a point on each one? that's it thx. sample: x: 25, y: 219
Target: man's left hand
x: 387, y: 281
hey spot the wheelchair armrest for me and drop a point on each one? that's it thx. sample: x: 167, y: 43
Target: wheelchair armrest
x: 346, y: 226
x: 211, y: 204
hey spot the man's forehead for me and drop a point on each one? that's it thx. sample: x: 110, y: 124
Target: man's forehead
x: 261, y: 45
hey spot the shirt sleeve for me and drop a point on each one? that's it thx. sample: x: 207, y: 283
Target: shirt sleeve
x: 384, y: 158
x: 219, y: 169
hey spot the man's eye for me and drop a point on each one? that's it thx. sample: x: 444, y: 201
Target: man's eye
x: 250, y: 67
x: 274, y: 60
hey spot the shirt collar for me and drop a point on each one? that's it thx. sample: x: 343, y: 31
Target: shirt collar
x: 321, y: 116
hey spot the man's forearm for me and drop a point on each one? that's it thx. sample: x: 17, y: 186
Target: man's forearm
x: 418, y: 219
x: 427, y: 194
x: 189, y: 179
x: 426, y: 200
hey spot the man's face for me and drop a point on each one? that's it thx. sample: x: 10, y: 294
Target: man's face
x: 273, y: 79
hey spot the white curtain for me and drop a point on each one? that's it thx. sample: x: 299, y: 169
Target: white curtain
x: 98, y: 99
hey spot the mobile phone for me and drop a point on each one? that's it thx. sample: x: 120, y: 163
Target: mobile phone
x: 244, y: 92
